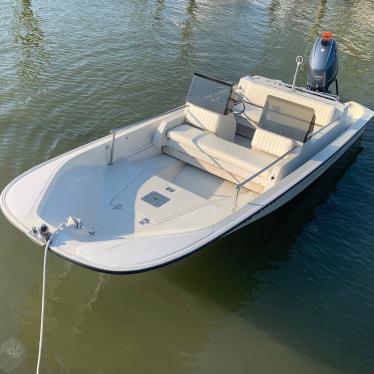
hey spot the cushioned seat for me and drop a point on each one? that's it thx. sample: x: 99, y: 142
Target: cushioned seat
x: 205, y: 139
x: 223, y: 126
x: 256, y: 92
x: 188, y: 138
x: 218, y: 156
x: 274, y: 144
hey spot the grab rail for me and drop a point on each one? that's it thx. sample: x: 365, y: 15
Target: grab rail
x: 315, y: 93
x: 115, y: 131
x: 241, y: 184
x: 299, y: 62
x: 313, y: 134
x: 275, y: 83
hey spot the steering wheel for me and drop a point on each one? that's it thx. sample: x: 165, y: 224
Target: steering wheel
x: 242, y: 102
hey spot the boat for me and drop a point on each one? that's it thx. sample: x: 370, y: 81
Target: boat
x: 156, y: 191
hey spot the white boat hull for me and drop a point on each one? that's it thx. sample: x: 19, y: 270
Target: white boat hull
x: 301, y: 186
x: 113, y: 198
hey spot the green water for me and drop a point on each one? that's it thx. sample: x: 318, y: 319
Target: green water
x: 291, y: 294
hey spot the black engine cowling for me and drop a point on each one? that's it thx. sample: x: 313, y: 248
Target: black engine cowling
x: 323, y: 63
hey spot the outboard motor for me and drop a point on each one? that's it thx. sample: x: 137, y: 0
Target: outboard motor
x: 323, y: 64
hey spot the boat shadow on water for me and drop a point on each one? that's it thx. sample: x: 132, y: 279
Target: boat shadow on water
x: 231, y: 271
x: 221, y: 280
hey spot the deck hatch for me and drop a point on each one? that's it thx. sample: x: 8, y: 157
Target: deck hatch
x: 155, y: 199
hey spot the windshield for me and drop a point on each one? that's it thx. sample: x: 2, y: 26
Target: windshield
x: 287, y: 118
x: 209, y: 93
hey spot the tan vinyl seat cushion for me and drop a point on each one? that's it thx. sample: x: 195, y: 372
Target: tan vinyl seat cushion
x: 256, y: 94
x: 274, y: 144
x: 217, y: 151
x: 223, y: 126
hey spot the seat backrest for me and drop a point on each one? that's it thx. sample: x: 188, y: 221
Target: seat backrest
x: 274, y: 144
x: 287, y: 118
x: 256, y: 93
x: 224, y: 126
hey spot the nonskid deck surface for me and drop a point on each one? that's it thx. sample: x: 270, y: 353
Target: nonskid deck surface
x: 157, y: 195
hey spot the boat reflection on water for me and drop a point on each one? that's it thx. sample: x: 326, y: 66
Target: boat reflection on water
x: 159, y: 10
x: 262, y: 246
x: 187, y: 28
x: 29, y: 39
x: 224, y: 277
x: 234, y: 271
x: 316, y: 28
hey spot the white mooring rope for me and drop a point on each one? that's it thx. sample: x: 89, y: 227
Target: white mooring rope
x: 44, y: 281
x: 43, y: 305
x: 78, y: 225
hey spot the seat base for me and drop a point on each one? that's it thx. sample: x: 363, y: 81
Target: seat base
x: 219, y: 172
x: 218, y: 156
